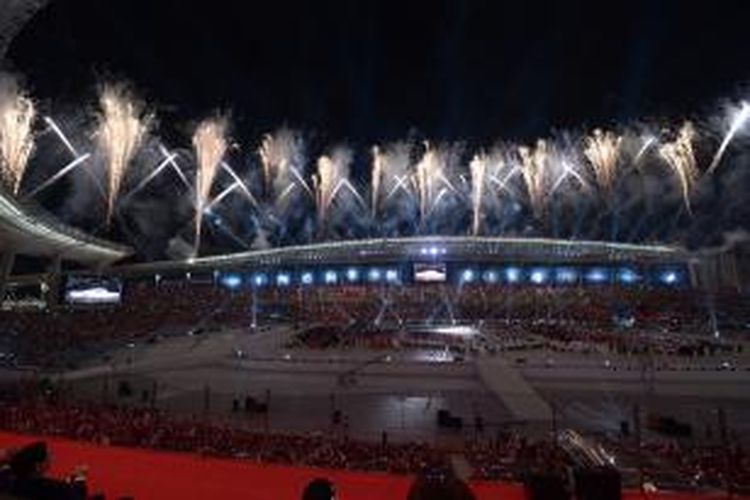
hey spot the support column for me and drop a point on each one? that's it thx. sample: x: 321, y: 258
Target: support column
x: 7, y: 259
x: 54, y: 281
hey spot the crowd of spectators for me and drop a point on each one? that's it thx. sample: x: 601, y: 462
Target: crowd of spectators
x: 155, y: 429
x: 508, y: 456
x: 37, y: 338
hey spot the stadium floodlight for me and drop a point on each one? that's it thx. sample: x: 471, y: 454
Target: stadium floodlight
x: 330, y: 277
x: 260, y: 279
x: 352, y: 274
x: 513, y: 275
x: 538, y: 276
x: 374, y: 275
x: 490, y: 276
x: 391, y: 276
x: 669, y: 277
x: 307, y: 278
x: 283, y: 279
x: 628, y: 276
x: 566, y: 275
x: 467, y: 276
x: 434, y: 251
x: 597, y: 275
x: 231, y: 281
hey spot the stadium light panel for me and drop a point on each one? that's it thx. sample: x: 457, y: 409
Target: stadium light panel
x: 566, y: 275
x: 330, y: 277
x: 467, y: 276
x: 513, y: 275
x: 374, y: 274
x: 283, y: 279
x: 391, y: 276
x: 352, y: 274
x: 307, y: 278
x: 538, y: 276
x: 260, y: 279
x: 491, y: 276
x: 597, y: 275
x: 231, y: 281
x: 627, y: 276
x: 669, y: 277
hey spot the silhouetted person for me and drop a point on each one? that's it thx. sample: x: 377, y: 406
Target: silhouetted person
x: 319, y: 489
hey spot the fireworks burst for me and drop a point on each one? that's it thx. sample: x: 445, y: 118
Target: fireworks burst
x: 431, y: 180
x: 534, y: 166
x: 603, y: 151
x: 16, y: 138
x: 478, y: 168
x: 680, y: 157
x: 331, y: 178
x: 122, y: 127
x: 283, y: 158
x: 377, y: 173
x: 210, y: 144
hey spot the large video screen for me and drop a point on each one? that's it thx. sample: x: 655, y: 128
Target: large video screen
x: 93, y: 290
x: 430, y: 272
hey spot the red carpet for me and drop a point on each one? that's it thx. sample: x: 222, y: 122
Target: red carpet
x: 150, y: 475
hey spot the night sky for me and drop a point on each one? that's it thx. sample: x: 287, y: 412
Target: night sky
x: 362, y: 71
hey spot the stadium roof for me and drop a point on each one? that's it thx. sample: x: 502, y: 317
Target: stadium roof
x: 27, y: 230
x: 449, y: 248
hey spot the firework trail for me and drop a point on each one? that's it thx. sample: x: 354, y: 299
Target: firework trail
x: 603, y: 151
x: 431, y: 180
x: 54, y: 127
x: 646, y: 143
x: 478, y: 168
x: 331, y: 178
x: 680, y: 157
x: 377, y: 172
x: 283, y: 158
x: 122, y: 127
x: 16, y: 137
x: 210, y: 144
x: 738, y: 122
x: 534, y: 166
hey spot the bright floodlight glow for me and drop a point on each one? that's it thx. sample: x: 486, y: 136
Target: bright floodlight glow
x: 628, y: 276
x: 391, y: 275
x: 467, y: 276
x: 669, y: 277
x: 93, y: 295
x: 566, y: 275
x: 538, y: 276
x: 513, y: 275
x: 231, y: 281
x: 283, y: 279
x: 307, y: 278
x: 352, y: 274
x: 597, y: 275
x: 434, y: 250
x: 490, y: 276
x: 374, y: 274
x: 457, y: 330
x: 260, y: 279
x: 330, y: 277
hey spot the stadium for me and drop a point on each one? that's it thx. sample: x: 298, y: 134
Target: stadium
x: 282, y: 317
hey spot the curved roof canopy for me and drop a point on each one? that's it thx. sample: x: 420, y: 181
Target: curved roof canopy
x: 449, y: 248
x: 29, y: 231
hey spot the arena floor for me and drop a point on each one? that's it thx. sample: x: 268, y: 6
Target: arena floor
x: 401, y: 392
